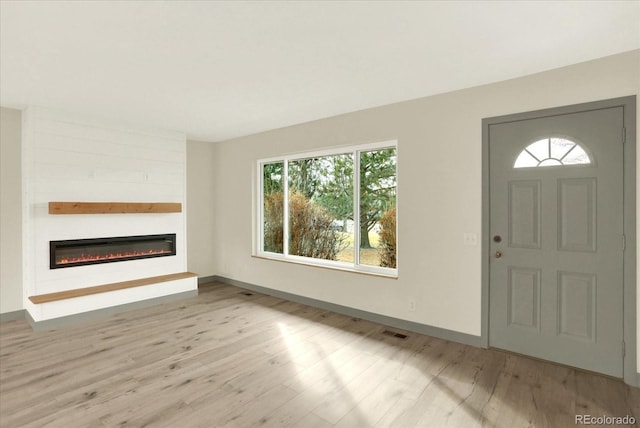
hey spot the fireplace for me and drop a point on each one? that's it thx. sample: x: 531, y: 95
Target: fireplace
x: 81, y: 252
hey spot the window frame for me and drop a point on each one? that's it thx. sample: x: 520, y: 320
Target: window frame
x: 354, y: 266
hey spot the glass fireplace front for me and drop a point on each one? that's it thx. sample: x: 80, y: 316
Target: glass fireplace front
x: 81, y: 252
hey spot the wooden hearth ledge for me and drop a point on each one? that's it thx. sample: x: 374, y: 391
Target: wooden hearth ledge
x: 61, y: 295
x: 113, y: 207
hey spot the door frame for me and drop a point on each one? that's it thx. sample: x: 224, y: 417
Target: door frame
x: 628, y: 104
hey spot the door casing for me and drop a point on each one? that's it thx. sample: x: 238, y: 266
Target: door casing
x: 628, y: 104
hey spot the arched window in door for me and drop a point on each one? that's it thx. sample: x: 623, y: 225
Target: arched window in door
x: 552, y: 152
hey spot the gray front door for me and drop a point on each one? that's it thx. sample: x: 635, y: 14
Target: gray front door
x: 557, y: 244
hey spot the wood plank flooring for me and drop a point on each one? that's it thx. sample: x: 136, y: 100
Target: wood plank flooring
x: 227, y: 359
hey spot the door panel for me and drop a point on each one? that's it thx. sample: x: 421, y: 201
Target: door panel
x: 555, y: 277
x: 577, y: 214
x: 577, y: 305
x: 524, y: 297
x: 524, y: 214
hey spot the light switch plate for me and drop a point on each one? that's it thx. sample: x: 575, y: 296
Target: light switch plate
x: 471, y: 239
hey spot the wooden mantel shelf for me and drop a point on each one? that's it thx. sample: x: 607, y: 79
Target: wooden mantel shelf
x: 113, y: 207
x: 62, y: 295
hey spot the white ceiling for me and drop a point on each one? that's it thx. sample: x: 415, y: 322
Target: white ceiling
x: 218, y: 70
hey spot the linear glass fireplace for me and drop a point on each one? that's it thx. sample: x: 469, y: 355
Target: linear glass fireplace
x: 81, y: 252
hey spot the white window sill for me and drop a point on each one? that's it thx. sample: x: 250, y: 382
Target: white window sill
x: 346, y: 267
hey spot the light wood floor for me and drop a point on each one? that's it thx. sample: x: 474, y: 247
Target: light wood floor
x: 234, y: 360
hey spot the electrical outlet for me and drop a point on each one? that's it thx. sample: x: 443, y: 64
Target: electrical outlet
x: 412, y: 305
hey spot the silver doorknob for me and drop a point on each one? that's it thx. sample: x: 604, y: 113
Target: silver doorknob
x: 498, y: 254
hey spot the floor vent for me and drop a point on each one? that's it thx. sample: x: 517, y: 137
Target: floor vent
x: 395, y: 334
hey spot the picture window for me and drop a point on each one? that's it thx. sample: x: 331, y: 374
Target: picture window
x: 333, y: 208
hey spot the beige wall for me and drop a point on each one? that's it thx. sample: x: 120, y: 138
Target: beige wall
x: 439, y: 199
x: 10, y: 211
x: 200, y: 207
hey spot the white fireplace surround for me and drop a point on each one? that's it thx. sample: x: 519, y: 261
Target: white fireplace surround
x: 67, y: 157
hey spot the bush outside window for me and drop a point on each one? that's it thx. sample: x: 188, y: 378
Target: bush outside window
x: 335, y: 209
